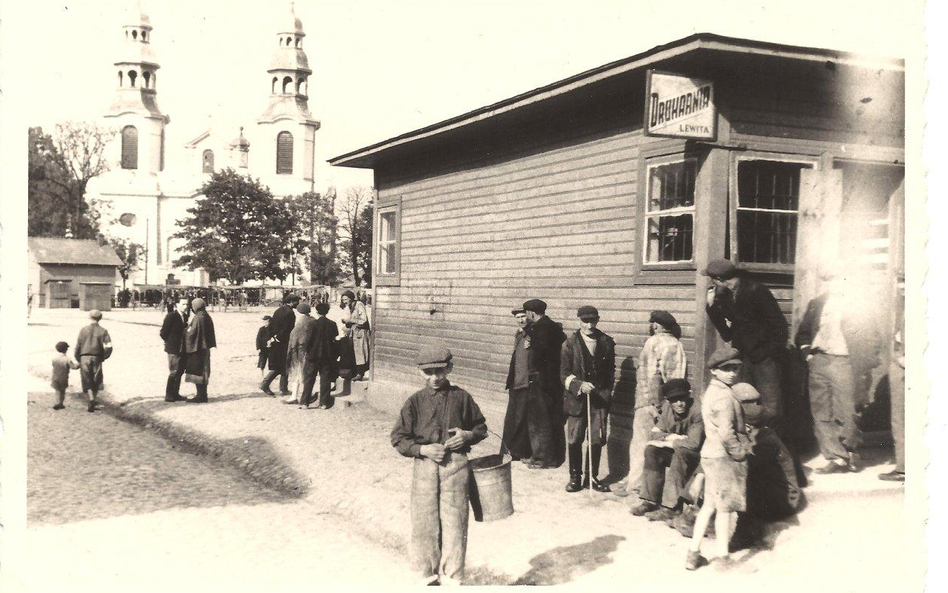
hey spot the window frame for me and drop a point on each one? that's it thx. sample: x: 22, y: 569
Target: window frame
x: 386, y: 206
x: 733, y: 203
x: 133, y: 149
x: 652, y: 162
x: 291, y: 150
x: 205, y: 169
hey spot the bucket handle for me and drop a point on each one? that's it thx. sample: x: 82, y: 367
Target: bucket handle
x: 504, y: 450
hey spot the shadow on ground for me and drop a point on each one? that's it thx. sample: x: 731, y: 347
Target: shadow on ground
x: 566, y: 563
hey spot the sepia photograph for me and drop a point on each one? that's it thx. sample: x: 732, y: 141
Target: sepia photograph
x: 394, y: 294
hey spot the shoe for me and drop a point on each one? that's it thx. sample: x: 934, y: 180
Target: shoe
x: 599, y: 486
x: 854, y: 463
x: 429, y: 581
x: 724, y: 563
x: 322, y: 407
x: 893, y: 476
x: 643, y: 507
x: 291, y: 401
x: 661, y: 514
x: 175, y: 398
x: 358, y: 378
x: 266, y: 390
x: 575, y: 483
x: 58, y: 407
x: 620, y: 491
x: 833, y: 468
x: 197, y: 400
x: 695, y: 561
x: 285, y: 392
x: 91, y: 407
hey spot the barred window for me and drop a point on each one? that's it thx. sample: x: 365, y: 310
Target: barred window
x: 207, y: 162
x: 284, y: 160
x: 129, y: 147
x: 670, y: 212
x: 768, y: 197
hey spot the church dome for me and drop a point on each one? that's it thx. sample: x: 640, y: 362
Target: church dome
x: 289, y: 59
x: 291, y: 24
x: 135, y: 16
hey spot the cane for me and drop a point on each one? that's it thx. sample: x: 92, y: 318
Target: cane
x: 589, y: 449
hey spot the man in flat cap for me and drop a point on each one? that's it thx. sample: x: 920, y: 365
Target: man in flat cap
x: 542, y: 340
x: 298, y: 368
x: 523, y: 391
x: 587, y: 368
x: 437, y: 427
x: 674, y: 444
x: 93, y: 346
x: 278, y: 332
x: 747, y: 315
x: 841, y: 346
x: 662, y: 359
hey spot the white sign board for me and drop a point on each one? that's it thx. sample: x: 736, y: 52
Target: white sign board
x: 679, y: 107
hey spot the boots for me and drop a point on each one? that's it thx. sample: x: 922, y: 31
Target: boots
x: 575, y: 482
x: 265, y: 384
x: 201, y: 397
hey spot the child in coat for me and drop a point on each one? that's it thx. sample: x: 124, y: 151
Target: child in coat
x: 61, y: 366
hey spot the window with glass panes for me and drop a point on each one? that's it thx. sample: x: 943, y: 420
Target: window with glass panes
x: 768, y: 197
x: 670, y: 212
x: 129, y: 147
x: 284, y: 160
x: 388, y: 242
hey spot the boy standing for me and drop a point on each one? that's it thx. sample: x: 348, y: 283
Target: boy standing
x: 587, y: 369
x: 61, y: 366
x: 93, y: 346
x: 437, y: 426
x: 263, y: 345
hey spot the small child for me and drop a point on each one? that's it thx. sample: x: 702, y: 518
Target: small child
x: 723, y: 458
x: 437, y: 427
x: 61, y: 366
x: 263, y: 346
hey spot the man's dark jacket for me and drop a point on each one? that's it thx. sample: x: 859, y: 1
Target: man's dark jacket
x: 322, y: 349
x: 546, y: 336
x: 172, y: 332
x: 862, y: 336
x: 758, y: 328
x: 575, y: 360
x: 280, y: 326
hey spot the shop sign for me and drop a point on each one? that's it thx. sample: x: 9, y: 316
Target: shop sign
x: 679, y: 106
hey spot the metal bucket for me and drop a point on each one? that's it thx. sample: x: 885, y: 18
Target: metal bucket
x: 491, y: 496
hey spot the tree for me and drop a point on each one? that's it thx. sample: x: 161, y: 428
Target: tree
x: 356, y: 224
x: 315, y: 234
x: 60, y: 168
x: 238, y: 231
x: 130, y: 254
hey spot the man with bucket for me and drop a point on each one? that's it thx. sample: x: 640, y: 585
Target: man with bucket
x: 437, y: 426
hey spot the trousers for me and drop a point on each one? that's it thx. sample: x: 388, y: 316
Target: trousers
x: 833, y: 406
x: 642, y: 423
x: 90, y: 371
x: 176, y: 367
x: 666, y: 487
x: 765, y: 377
x: 439, y: 516
x: 897, y: 395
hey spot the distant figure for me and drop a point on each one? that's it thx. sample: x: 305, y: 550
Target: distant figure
x: 897, y: 392
x: 278, y: 331
x: 525, y: 398
x: 198, y: 341
x: 93, y: 346
x: 356, y: 319
x: 61, y: 366
x: 323, y: 354
x: 297, y: 353
x: 263, y: 346
x: 172, y: 333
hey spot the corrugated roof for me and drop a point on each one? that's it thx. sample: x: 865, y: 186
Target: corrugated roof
x: 364, y: 157
x: 51, y: 250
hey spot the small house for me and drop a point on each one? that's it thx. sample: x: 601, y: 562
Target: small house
x: 69, y: 273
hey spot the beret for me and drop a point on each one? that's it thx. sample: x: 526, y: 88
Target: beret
x: 322, y: 308
x: 676, y: 388
x: 724, y: 355
x: 197, y: 304
x: 721, y: 268
x: 290, y: 298
x: 304, y: 308
x: 663, y: 318
x: 745, y: 392
x: 535, y: 305
x: 433, y: 356
x: 587, y: 312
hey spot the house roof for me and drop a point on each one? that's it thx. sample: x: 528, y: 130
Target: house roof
x: 366, y: 156
x: 51, y: 250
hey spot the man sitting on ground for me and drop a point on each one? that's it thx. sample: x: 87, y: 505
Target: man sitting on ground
x: 675, y: 444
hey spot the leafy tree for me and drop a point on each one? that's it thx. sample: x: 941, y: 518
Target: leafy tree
x: 60, y: 168
x: 238, y: 231
x: 315, y: 234
x: 131, y: 255
x: 356, y: 224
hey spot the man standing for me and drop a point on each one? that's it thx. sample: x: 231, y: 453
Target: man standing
x: 298, y: 369
x: 840, y: 349
x: 587, y: 368
x: 93, y: 346
x: 897, y: 390
x: 278, y: 330
x: 322, y: 356
x: 747, y: 315
x: 520, y: 378
x: 172, y: 332
x: 544, y: 339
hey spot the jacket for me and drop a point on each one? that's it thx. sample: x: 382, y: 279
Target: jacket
x: 758, y: 328
x: 172, y: 332
x: 662, y: 358
x: 724, y: 428
x: 691, y: 425
x: 574, y: 370
x: 546, y: 338
x: 862, y: 335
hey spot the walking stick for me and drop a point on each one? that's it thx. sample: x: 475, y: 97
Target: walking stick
x: 589, y: 450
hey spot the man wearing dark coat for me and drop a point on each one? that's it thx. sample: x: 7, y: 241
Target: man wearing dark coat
x: 322, y: 356
x: 172, y: 332
x: 278, y: 330
x: 297, y: 353
x: 521, y: 380
x: 747, y: 315
x: 587, y: 371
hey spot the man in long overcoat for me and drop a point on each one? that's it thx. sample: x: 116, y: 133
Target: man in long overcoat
x: 172, y: 332
x: 297, y: 353
x: 521, y: 380
x: 278, y: 331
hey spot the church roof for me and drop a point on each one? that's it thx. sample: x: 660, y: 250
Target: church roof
x: 291, y: 23
x: 54, y: 250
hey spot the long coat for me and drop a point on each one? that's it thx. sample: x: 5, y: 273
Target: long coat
x: 198, y: 341
x: 757, y: 326
x: 546, y: 337
x: 298, y: 346
x: 356, y: 320
x: 172, y: 332
x: 279, y: 327
x: 574, y: 371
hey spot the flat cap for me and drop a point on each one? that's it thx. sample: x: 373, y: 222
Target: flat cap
x: 535, y: 305
x: 745, y: 392
x: 291, y: 298
x: 95, y: 314
x: 322, y: 308
x: 721, y: 268
x: 266, y: 318
x: 587, y: 312
x: 433, y: 356
x: 517, y: 311
x: 724, y: 355
x: 304, y: 308
x: 676, y: 389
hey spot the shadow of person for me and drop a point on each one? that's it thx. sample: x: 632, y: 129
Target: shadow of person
x: 565, y: 563
x: 620, y: 421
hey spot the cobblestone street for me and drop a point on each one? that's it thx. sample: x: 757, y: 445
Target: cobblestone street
x: 113, y: 503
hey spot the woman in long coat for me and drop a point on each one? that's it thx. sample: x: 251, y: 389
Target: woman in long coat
x: 356, y: 320
x: 199, y: 338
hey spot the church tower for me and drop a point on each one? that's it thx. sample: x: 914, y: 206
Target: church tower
x: 134, y: 114
x: 284, y: 154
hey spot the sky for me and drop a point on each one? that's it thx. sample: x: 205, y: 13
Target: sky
x: 384, y: 68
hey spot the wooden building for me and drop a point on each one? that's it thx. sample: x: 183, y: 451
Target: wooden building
x: 777, y: 157
x: 68, y: 273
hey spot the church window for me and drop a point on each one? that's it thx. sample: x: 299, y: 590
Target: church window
x: 134, y: 34
x: 284, y: 161
x: 207, y: 162
x: 121, y: 78
x: 132, y: 75
x: 287, y: 81
x: 147, y: 77
x: 144, y: 35
x: 288, y: 40
x: 298, y: 41
x: 299, y: 85
x: 129, y: 147
x: 161, y: 151
x: 273, y: 85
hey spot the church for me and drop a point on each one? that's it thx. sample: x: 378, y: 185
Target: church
x: 148, y: 198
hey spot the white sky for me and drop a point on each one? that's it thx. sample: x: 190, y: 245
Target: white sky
x: 381, y: 68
